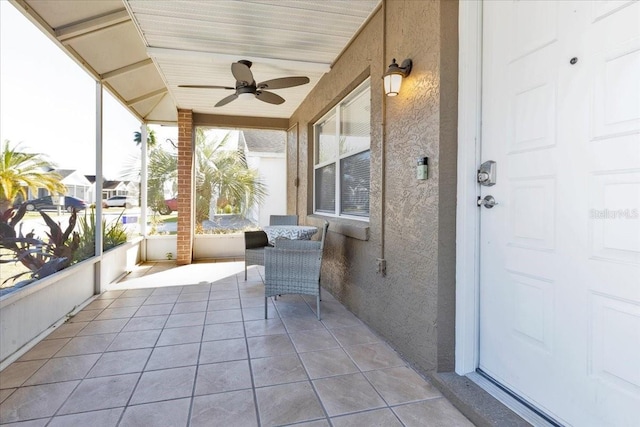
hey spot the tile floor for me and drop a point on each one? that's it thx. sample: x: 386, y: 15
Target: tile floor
x: 166, y: 347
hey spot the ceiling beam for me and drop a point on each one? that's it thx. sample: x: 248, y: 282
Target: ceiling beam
x: 88, y: 26
x: 146, y: 96
x: 126, y: 69
x: 158, y: 52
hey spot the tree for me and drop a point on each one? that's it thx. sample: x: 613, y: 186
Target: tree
x: 224, y: 174
x: 151, y: 138
x: 20, y: 171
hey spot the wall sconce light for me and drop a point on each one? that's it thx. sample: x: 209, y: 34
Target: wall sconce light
x: 394, y: 75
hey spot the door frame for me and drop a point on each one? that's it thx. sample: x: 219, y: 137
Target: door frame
x: 467, y: 337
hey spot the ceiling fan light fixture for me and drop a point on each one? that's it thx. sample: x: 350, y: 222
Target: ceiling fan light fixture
x: 245, y: 96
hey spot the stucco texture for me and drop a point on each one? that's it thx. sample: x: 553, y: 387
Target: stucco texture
x: 412, y: 222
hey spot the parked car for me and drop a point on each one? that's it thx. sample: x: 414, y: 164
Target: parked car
x: 119, y: 202
x: 169, y: 206
x: 46, y: 204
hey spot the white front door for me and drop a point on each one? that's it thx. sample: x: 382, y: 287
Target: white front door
x: 560, y: 252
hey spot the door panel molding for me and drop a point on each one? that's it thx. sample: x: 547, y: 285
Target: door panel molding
x: 467, y: 212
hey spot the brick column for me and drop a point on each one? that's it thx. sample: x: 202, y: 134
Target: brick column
x: 185, y: 187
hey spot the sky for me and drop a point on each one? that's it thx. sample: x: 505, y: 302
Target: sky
x: 47, y: 102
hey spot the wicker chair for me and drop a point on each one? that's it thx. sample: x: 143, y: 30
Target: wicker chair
x: 283, y: 220
x: 293, y: 267
x: 254, y: 244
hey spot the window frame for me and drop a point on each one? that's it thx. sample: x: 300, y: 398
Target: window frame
x: 335, y: 113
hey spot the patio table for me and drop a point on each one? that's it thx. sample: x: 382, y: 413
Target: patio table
x: 291, y: 232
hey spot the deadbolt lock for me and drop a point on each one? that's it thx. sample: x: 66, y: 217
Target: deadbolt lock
x: 487, y: 173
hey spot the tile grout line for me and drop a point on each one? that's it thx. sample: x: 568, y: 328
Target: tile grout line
x: 246, y: 343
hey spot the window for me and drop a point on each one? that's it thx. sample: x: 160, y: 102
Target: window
x: 342, y: 157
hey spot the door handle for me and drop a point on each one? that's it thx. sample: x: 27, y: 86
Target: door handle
x: 488, y: 202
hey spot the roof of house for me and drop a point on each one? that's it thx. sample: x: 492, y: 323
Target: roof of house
x: 265, y: 141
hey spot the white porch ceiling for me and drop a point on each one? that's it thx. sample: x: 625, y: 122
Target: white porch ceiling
x: 143, y: 50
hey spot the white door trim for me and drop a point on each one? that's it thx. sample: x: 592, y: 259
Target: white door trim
x: 467, y: 212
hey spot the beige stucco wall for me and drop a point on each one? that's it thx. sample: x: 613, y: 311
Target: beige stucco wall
x: 412, y: 222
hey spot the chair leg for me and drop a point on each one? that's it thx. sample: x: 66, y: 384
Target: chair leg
x: 245, y: 271
x: 265, y: 307
x: 318, y: 305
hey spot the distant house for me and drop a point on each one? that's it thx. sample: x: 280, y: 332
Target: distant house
x: 265, y: 151
x: 77, y: 185
x: 112, y: 188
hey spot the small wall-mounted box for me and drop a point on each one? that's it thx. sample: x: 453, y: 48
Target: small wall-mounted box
x: 422, y: 171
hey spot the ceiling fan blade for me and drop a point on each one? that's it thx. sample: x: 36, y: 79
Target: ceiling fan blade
x: 283, y: 82
x: 241, y: 72
x: 225, y: 101
x: 206, y: 87
x: 269, y: 97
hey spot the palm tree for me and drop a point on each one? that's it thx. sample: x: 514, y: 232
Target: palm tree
x: 224, y: 174
x: 20, y: 171
x: 151, y: 138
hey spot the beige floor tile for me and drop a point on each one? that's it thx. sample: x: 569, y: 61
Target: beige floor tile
x: 231, y: 409
x: 120, y: 362
x: 376, y: 418
x: 154, y: 310
x: 104, y: 418
x: 221, y: 294
x: 270, y: 345
x: 340, y: 319
x: 85, y: 316
x: 168, y: 413
x: 257, y: 313
x: 185, y: 335
x: 374, y: 356
x: 165, y: 384
x: 62, y: 369
x: 431, y: 413
x: 223, y: 351
x: 355, y: 335
x: 100, y: 393
x: 44, y: 349
x: 174, y: 356
x: 318, y: 339
x: 223, y: 377
x: 254, y: 301
x: 224, y: 286
x: 187, y: 319
x: 145, y: 323
x: 277, y: 370
x: 288, y: 403
x: 224, y: 304
x: 166, y: 290
x: 31, y: 423
x: 110, y: 295
x: 255, y: 328
x: 347, y: 393
x: 295, y: 325
x: 116, y: 313
x: 223, y: 331
x: 126, y: 301
x: 103, y: 327
x: 161, y: 299
x: 135, y: 293
x: 328, y: 363
x: 35, y: 402
x: 67, y: 330
x: 86, y: 345
x: 191, y: 297
x: 317, y: 423
x: 5, y: 392
x: 99, y: 304
x: 135, y: 339
x: 401, y: 385
x: 189, y: 307
x: 223, y: 316
x: 17, y: 373
x: 200, y: 288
